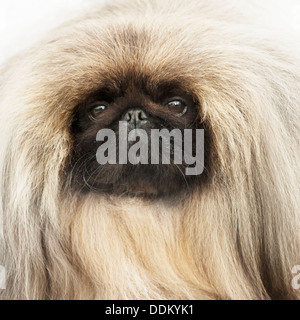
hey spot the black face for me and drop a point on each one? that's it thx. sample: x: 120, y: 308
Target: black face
x: 104, y: 109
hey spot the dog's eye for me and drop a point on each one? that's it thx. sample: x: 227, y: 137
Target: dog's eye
x: 97, y: 109
x: 178, y: 107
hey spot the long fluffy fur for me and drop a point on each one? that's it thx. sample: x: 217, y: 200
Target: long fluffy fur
x: 237, y: 237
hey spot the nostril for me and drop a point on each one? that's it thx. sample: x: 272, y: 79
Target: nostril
x: 127, y: 117
x: 142, y: 115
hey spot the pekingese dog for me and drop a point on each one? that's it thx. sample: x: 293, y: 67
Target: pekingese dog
x: 75, y: 228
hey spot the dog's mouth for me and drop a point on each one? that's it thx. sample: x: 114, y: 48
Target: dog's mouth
x: 149, y: 181
x: 96, y: 172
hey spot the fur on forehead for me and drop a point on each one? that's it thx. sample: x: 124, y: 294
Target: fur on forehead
x: 112, y: 57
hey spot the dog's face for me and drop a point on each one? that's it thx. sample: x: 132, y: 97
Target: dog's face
x: 139, y: 106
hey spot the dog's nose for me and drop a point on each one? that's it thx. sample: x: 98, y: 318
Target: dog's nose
x: 136, y: 118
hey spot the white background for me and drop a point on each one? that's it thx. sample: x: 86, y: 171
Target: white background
x: 23, y: 21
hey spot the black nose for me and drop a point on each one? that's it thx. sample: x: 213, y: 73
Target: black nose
x: 135, y: 118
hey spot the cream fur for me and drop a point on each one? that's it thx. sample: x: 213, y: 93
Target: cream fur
x: 237, y: 237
